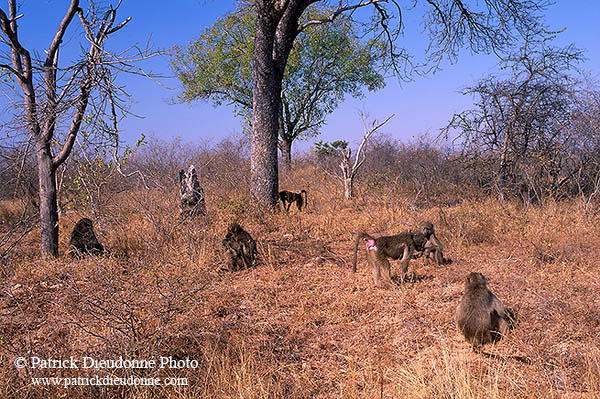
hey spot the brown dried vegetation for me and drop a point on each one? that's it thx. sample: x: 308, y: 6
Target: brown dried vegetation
x: 301, y: 324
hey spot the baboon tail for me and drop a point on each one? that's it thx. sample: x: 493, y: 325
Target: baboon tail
x: 305, y: 197
x: 358, y: 238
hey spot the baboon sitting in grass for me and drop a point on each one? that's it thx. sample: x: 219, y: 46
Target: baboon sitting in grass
x: 240, y: 248
x: 480, y: 316
x: 83, y: 240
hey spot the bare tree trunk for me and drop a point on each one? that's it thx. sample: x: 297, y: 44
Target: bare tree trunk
x: 286, y: 154
x: 45, y: 108
x: 48, y: 202
x: 276, y: 30
x: 348, y: 187
x: 266, y: 104
x: 349, y: 171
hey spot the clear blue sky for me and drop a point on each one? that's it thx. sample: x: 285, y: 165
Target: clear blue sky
x: 421, y: 106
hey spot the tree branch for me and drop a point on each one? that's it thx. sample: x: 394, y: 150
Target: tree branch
x: 50, y: 68
x: 73, y: 129
x: 60, y: 32
x: 336, y: 13
x: 21, y: 61
x: 374, y: 128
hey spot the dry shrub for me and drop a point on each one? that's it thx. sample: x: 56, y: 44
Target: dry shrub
x: 475, y: 223
x: 10, y: 211
x: 301, y: 324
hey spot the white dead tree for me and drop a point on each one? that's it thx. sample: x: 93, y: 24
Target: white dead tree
x: 52, y: 100
x: 349, y: 172
x: 191, y: 194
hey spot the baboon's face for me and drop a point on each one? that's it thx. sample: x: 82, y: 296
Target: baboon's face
x: 427, y: 229
x: 476, y: 279
x: 83, y: 226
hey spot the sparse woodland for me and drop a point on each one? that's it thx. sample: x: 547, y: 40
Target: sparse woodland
x: 300, y: 324
x: 512, y: 187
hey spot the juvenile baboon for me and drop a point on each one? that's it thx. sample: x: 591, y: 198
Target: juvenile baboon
x: 83, y: 240
x: 428, y: 244
x: 382, y: 248
x: 240, y: 248
x: 480, y: 316
x: 288, y: 197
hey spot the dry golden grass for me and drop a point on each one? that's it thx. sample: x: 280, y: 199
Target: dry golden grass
x: 301, y: 324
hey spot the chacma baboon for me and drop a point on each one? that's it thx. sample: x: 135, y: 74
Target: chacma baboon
x: 480, y: 316
x: 191, y: 194
x: 382, y: 248
x: 83, y: 240
x: 240, y: 248
x: 427, y: 243
x: 288, y: 197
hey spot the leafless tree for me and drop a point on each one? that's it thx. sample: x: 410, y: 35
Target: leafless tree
x: 349, y: 170
x: 521, y: 123
x: 53, y: 101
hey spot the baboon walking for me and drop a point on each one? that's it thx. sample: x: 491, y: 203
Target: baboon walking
x: 408, y: 245
x: 83, y: 239
x: 288, y: 197
x: 380, y: 249
x: 240, y: 248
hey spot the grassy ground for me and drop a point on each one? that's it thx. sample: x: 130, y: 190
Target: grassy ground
x: 301, y: 324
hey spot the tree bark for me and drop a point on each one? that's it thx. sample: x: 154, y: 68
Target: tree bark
x: 266, y: 102
x: 48, y: 202
x: 286, y: 154
x: 348, y: 187
x: 276, y: 30
x: 347, y: 173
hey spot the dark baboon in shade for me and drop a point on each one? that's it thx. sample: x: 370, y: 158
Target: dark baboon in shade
x: 83, y: 240
x: 240, y: 248
x: 288, y: 197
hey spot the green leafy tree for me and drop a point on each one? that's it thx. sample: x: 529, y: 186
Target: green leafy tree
x: 324, y: 149
x: 324, y: 65
x: 451, y: 26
